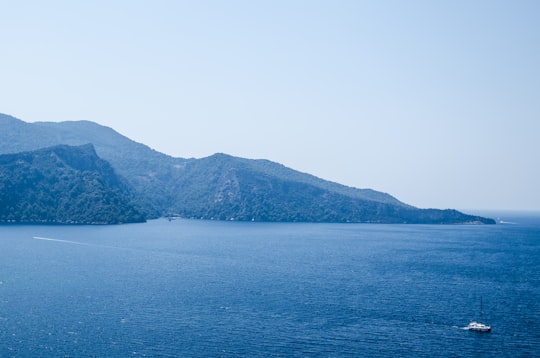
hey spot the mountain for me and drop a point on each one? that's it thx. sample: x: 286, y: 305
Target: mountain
x: 147, y: 171
x: 242, y: 189
x: 63, y: 185
x: 221, y: 186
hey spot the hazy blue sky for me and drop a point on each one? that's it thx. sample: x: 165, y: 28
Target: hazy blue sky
x: 434, y: 102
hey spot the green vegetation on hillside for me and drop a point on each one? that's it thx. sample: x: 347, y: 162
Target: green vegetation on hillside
x: 63, y: 184
x: 235, y: 191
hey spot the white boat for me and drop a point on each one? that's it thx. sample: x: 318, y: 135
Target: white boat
x: 478, y: 326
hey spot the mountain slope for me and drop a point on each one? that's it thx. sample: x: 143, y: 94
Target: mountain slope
x: 63, y: 184
x: 238, y: 192
x: 147, y: 170
x: 221, y: 186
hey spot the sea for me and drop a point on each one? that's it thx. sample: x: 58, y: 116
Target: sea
x: 191, y: 288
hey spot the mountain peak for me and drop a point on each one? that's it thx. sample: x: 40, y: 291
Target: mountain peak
x: 6, y: 119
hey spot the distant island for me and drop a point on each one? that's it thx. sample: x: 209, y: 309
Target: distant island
x: 81, y: 172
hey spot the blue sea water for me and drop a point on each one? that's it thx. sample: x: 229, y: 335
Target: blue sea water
x: 199, y: 288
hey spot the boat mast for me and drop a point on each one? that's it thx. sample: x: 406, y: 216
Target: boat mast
x: 482, y: 310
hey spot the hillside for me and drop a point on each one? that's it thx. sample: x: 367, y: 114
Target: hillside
x: 63, y: 185
x: 144, y: 167
x: 221, y: 186
x: 146, y: 170
x: 238, y: 191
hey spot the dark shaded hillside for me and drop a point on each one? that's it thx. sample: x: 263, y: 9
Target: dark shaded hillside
x: 63, y: 184
x: 148, y: 171
x: 220, y: 186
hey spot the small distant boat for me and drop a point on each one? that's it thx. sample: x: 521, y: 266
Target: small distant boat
x: 478, y: 326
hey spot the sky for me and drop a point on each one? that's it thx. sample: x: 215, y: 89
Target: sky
x: 434, y: 102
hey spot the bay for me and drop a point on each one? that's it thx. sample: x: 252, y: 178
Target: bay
x: 203, y: 288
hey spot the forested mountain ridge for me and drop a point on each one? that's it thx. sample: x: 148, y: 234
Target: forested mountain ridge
x: 145, y: 169
x: 221, y: 186
x: 63, y: 185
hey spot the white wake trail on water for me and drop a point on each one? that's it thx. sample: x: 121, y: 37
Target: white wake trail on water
x: 134, y: 249
x: 75, y: 242
x: 58, y: 240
